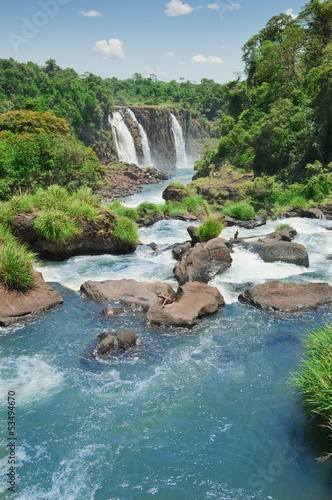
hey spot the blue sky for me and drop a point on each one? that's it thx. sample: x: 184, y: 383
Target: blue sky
x: 173, y: 39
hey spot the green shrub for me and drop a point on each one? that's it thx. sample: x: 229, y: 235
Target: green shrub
x: 211, y: 228
x: 314, y: 379
x: 125, y: 230
x: 16, y: 271
x: 240, y: 210
x: 117, y: 208
x: 55, y: 225
x: 193, y: 203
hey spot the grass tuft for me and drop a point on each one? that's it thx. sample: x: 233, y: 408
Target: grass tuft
x: 55, y: 225
x: 209, y: 229
x: 239, y: 210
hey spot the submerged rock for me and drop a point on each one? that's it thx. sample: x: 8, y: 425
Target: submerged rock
x: 135, y: 295
x: 21, y: 306
x: 204, y: 262
x: 105, y: 346
x: 126, y: 338
x: 123, y: 339
x: 288, y: 297
x: 273, y: 251
x: 193, y: 300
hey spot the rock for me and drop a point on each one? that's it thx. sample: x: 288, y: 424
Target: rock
x: 288, y: 297
x: 193, y: 230
x: 204, y: 262
x: 309, y: 213
x: 97, y: 239
x: 286, y: 234
x: 172, y: 193
x: 193, y: 300
x: 180, y: 251
x: 18, y: 306
x: 126, y: 338
x: 105, y: 345
x: 245, y: 224
x: 326, y: 209
x: 113, y: 310
x: 272, y: 251
x: 135, y: 295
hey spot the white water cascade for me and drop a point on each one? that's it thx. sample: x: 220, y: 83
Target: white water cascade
x: 144, y: 139
x: 124, y: 142
x: 181, y: 158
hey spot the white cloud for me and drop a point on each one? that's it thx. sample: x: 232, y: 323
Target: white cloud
x: 90, y: 13
x: 233, y: 6
x: 214, y: 60
x: 202, y: 59
x: 181, y: 63
x: 213, y: 6
x: 177, y: 8
x: 199, y: 59
x: 289, y: 12
x: 169, y: 54
x: 112, y: 50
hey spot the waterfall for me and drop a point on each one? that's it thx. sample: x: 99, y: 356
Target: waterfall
x: 181, y: 159
x: 144, y: 139
x: 123, y: 140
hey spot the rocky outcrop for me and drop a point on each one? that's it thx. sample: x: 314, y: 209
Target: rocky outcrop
x: 326, y: 209
x: 18, y: 306
x: 288, y: 297
x: 97, y: 238
x: 285, y: 234
x: 245, y: 224
x: 204, y: 262
x: 180, y: 251
x: 173, y: 193
x: 126, y: 179
x: 273, y: 251
x: 134, y: 295
x: 309, y: 213
x: 192, y: 301
x: 123, y: 339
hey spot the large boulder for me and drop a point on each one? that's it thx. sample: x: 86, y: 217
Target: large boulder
x: 135, y: 295
x: 288, y: 297
x: 18, y: 306
x: 97, y: 238
x: 284, y: 251
x: 173, y: 193
x: 192, y: 301
x: 204, y: 262
x: 285, y: 234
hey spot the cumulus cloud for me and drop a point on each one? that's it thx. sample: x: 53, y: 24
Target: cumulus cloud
x: 169, y: 54
x: 202, y: 59
x: 109, y: 50
x: 233, y: 6
x: 213, y: 6
x: 289, y: 12
x: 214, y: 60
x: 177, y: 8
x: 90, y: 13
x: 199, y: 59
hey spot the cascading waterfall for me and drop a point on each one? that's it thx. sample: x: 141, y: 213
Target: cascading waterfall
x: 181, y: 158
x: 144, y: 139
x: 124, y: 142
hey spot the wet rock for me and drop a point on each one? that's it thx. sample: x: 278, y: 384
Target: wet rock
x: 284, y: 251
x: 288, y: 297
x: 193, y: 233
x: 309, y: 213
x: 113, y: 310
x: 106, y: 345
x: 134, y: 295
x: 126, y: 338
x: 18, y: 306
x: 172, y: 193
x: 180, y: 251
x: 286, y: 234
x: 326, y: 209
x: 204, y: 262
x: 193, y: 300
x: 245, y: 224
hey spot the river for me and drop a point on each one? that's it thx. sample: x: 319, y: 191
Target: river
x: 207, y: 413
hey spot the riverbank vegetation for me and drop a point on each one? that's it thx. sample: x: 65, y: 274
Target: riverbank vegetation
x: 314, y: 378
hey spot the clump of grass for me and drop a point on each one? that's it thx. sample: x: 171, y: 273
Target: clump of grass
x: 239, y: 210
x: 55, y: 225
x: 174, y: 209
x: 209, y: 229
x: 125, y: 230
x: 148, y: 206
x: 16, y: 271
x: 314, y: 379
x: 193, y: 203
x: 22, y: 203
x: 280, y: 227
x: 117, y: 208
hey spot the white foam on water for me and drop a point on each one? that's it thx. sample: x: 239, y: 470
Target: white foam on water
x: 30, y: 377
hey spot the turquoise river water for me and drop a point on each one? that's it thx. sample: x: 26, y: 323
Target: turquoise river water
x: 207, y: 413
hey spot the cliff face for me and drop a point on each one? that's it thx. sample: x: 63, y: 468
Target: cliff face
x: 157, y: 124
